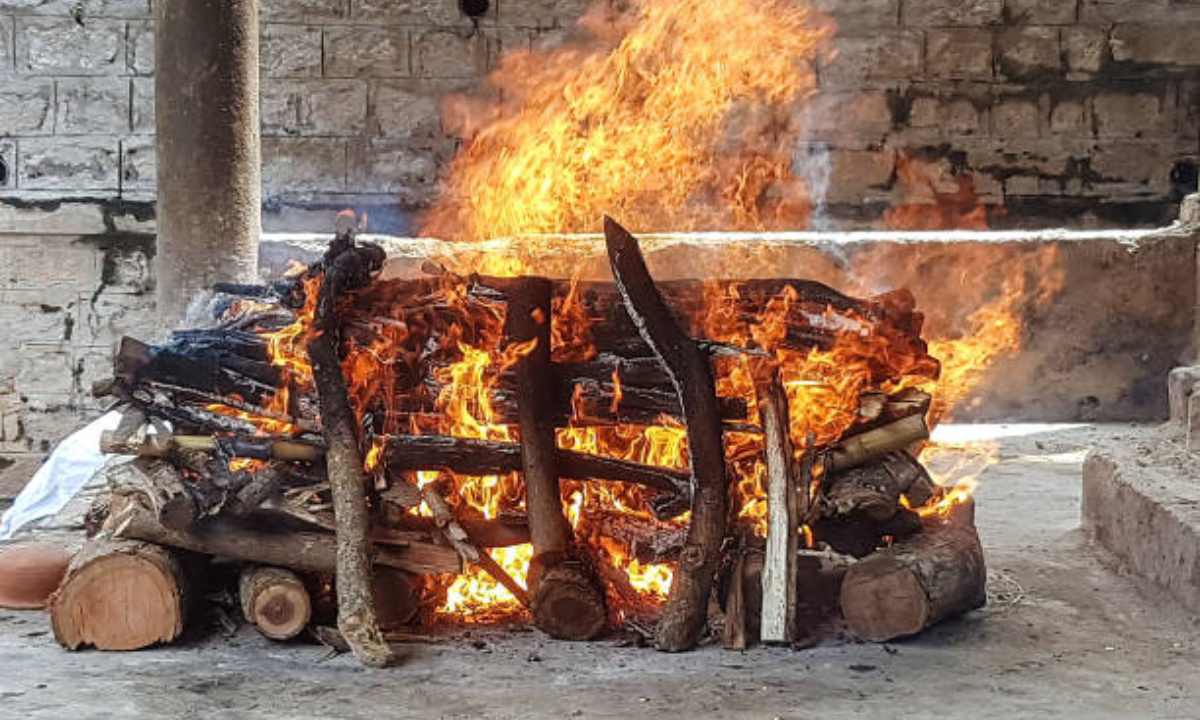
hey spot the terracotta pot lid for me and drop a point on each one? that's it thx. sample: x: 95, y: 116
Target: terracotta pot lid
x: 29, y: 572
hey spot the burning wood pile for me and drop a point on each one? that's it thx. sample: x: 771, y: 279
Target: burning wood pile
x: 592, y: 456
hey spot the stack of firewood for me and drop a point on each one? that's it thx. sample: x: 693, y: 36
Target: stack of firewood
x: 222, y: 470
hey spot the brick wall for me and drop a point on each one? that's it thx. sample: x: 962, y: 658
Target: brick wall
x: 1088, y: 105
x: 1065, y: 111
x: 350, y: 97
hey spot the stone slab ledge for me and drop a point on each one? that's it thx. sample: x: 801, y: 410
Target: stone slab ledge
x: 1141, y: 503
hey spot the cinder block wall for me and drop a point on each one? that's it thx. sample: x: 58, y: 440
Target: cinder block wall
x: 1064, y: 111
x: 350, y: 98
x: 1080, y: 110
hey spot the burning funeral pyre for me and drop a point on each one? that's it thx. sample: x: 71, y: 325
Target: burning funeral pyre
x: 490, y: 442
x: 585, y: 455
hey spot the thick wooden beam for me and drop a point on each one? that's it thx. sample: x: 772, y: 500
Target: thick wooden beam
x: 243, y: 540
x: 919, y: 581
x: 566, y: 600
x: 685, y: 612
x: 346, y: 267
x: 786, y: 503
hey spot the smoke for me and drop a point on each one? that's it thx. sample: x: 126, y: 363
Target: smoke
x: 812, y: 165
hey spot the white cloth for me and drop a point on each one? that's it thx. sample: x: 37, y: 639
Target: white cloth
x: 76, y: 459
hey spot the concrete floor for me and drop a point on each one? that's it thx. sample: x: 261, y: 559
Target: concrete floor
x: 1064, y: 636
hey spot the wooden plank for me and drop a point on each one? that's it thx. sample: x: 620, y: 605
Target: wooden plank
x: 786, y: 504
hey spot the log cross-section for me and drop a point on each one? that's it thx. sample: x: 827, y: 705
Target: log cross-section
x: 567, y: 602
x: 689, y: 369
x: 345, y: 268
x: 275, y: 601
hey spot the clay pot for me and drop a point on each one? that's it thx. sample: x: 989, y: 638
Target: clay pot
x: 29, y: 572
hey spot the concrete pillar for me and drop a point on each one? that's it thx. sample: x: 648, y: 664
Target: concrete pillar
x: 206, y: 103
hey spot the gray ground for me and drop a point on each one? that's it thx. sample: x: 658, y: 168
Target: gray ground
x: 1064, y: 636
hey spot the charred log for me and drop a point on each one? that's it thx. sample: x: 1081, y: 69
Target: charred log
x: 463, y: 456
x: 683, y: 617
x: 346, y: 267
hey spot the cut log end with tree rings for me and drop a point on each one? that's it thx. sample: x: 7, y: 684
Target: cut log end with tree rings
x: 275, y: 601
x: 120, y: 595
x: 567, y: 604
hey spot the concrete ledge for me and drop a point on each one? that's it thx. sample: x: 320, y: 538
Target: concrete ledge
x: 1142, y: 504
x: 1105, y: 314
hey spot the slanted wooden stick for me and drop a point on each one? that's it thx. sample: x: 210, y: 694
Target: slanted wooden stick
x: 461, y: 540
x: 346, y: 267
x: 684, y: 615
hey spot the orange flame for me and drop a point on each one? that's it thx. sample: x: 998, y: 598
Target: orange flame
x: 670, y: 114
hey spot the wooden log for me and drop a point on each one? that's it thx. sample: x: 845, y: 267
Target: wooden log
x: 684, y: 614
x: 275, y: 601
x: 198, y: 368
x: 862, y: 449
x: 735, y: 636
x: 184, y: 418
x: 120, y: 595
x: 787, y: 503
x: 565, y: 599
x: 345, y: 268
x: 161, y: 487
x: 246, y: 541
x: 585, y: 401
x: 891, y: 316
x: 648, y: 540
x: 859, y: 536
x: 916, y: 583
x: 878, y: 410
x: 464, y: 456
x: 397, y: 598
x: 264, y: 485
x: 819, y: 577
x: 873, y: 490
x: 254, y: 448
x: 569, y: 602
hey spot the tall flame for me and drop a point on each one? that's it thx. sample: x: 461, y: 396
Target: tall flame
x: 673, y: 114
